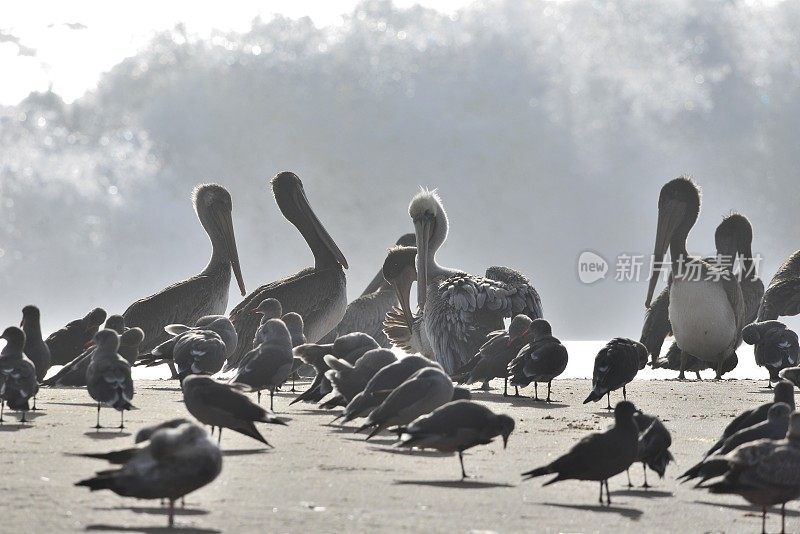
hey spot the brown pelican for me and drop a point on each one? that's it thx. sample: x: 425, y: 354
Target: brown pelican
x: 72, y: 339
x: 459, y: 309
x: 733, y: 238
x: 782, y: 298
x: 204, y: 294
x: 706, y: 307
x: 318, y: 293
x: 367, y: 312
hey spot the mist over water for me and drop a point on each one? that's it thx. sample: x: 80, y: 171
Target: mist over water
x: 547, y: 127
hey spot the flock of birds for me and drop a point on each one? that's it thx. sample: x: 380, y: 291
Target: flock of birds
x: 303, y: 326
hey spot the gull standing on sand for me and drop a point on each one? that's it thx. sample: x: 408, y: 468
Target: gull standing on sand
x: 600, y: 455
x: 654, y: 443
x: 108, y: 377
x: 776, y: 346
x: 269, y: 364
x: 459, y: 310
x: 765, y: 472
x: 456, y: 427
x: 175, y: 462
x: 17, y: 374
x: 203, y: 294
x: 493, y: 357
x: 318, y: 293
x: 614, y: 366
x: 225, y: 406
x: 72, y: 339
x: 542, y: 360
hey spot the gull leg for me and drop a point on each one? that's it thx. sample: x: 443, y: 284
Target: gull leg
x: 259, y: 396
x: 601, y: 493
x: 461, y: 459
x: 608, y: 494
x: 97, y: 426
x: 171, y: 520
x: 219, y: 436
x: 23, y: 420
x: 34, y: 404
x: 536, y: 391
x: 684, y: 360
x: 624, y: 394
x: 628, y: 474
x: 644, y: 469
x: 122, y: 419
x: 763, y: 520
x: 173, y: 371
x: 608, y: 398
x: 505, y: 387
x: 293, y: 390
x: 516, y: 391
x: 2, y: 408
x: 183, y: 502
x: 271, y: 395
x: 548, y: 391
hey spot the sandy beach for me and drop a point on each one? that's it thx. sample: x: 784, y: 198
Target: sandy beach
x: 326, y: 479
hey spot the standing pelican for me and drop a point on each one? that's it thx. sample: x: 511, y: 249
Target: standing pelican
x: 706, y: 307
x: 782, y: 298
x: 459, y: 309
x: 366, y: 313
x: 318, y: 293
x: 204, y: 294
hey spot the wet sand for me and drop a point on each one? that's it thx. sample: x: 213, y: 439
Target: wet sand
x: 322, y: 478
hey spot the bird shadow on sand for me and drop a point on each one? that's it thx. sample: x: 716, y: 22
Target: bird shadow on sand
x: 375, y: 441
x: 310, y: 411
x: 631, y: 513
x: 410, y: 452
x: 244, y: 452
x: 339, y: 429
x: 516, y: 401
x: 752, y: 509
x: 152, y: 530
x: 456, y: 484
x: 155, y: 510
x: 106, y: 434
x: 645, y: 493
x: 87, y: 404
x: 6, y: 426
x: 164, y: 388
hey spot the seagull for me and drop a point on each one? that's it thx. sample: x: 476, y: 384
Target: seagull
x: 145, y: 433
x: 654, y: 443
x: 17, y: 374
x: 541, y: 360
x: 764, y: 472
x: 72, y: 339
x: 456, y: 427
x: 423, y: 392
x: 776, y: 346
x: 775, y: 427
x: 349, y: 347
x: 784, y: 392
x: 225, y: 406
x: 36, y: 349
x: 493, y: 357
x: 600, y: 455
x: 383, y: 383
x: 175, y: 462
x: 349, y: 380
x: 269, y: 364
x: 108, y: 377
x: 614, y: 366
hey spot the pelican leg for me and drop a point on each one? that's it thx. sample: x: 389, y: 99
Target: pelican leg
x: 628, y: 474
x: 719, y: 370
x: 548, y: 392
x: 461, y: 460
x: 608, y: 493
x: 171, y: 512
x: 97, y: 426
x: 644, y: 469
x: 684, y: 361
x: 536, y: 391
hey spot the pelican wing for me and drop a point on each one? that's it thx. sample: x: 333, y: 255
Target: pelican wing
x: 781, y: 299
x: 524, y: 297
x: 656, y: 324
x: 366, y: 314
x: 753, y: 293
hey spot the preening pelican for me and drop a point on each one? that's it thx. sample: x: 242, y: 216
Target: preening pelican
x: 782, y: 298
x: 318, y: 293
x: 204, y: 294
x: 706, y: 307
x: 459, y: 309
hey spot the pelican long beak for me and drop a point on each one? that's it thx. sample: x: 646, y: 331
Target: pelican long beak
x: 225, y: 223
x: 422, y: 229
x: 670, y: 217
x: 305, y: 208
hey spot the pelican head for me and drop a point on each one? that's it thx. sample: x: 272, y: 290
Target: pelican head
x: 400, y: 271
x: 107, y: 340
x: 733, y: 236
x: 213, y: 205
x: 678, y: 208
x: 15, y: 339
x: 430, y: 226
x: 293, y: 203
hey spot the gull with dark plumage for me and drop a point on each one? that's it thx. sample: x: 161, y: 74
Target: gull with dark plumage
x: 614, y: 366
x: 348, y: 380
x: 36, y: 349
x: 776, y: 346
x: 174, y: 463
x: 600, y: 455
x: 318, y: 293
x: 541, y: 360
x: 18, y: 382
x: 456, y: 427
x: 108, y: 377
x: 495, y: 355
x: 72, y: 339
x: 706, y: 305
x: 204, y: 294
x: 654, y: 443
x: 73, y: 374
x: 458, y: 309
x: 225, y: 406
